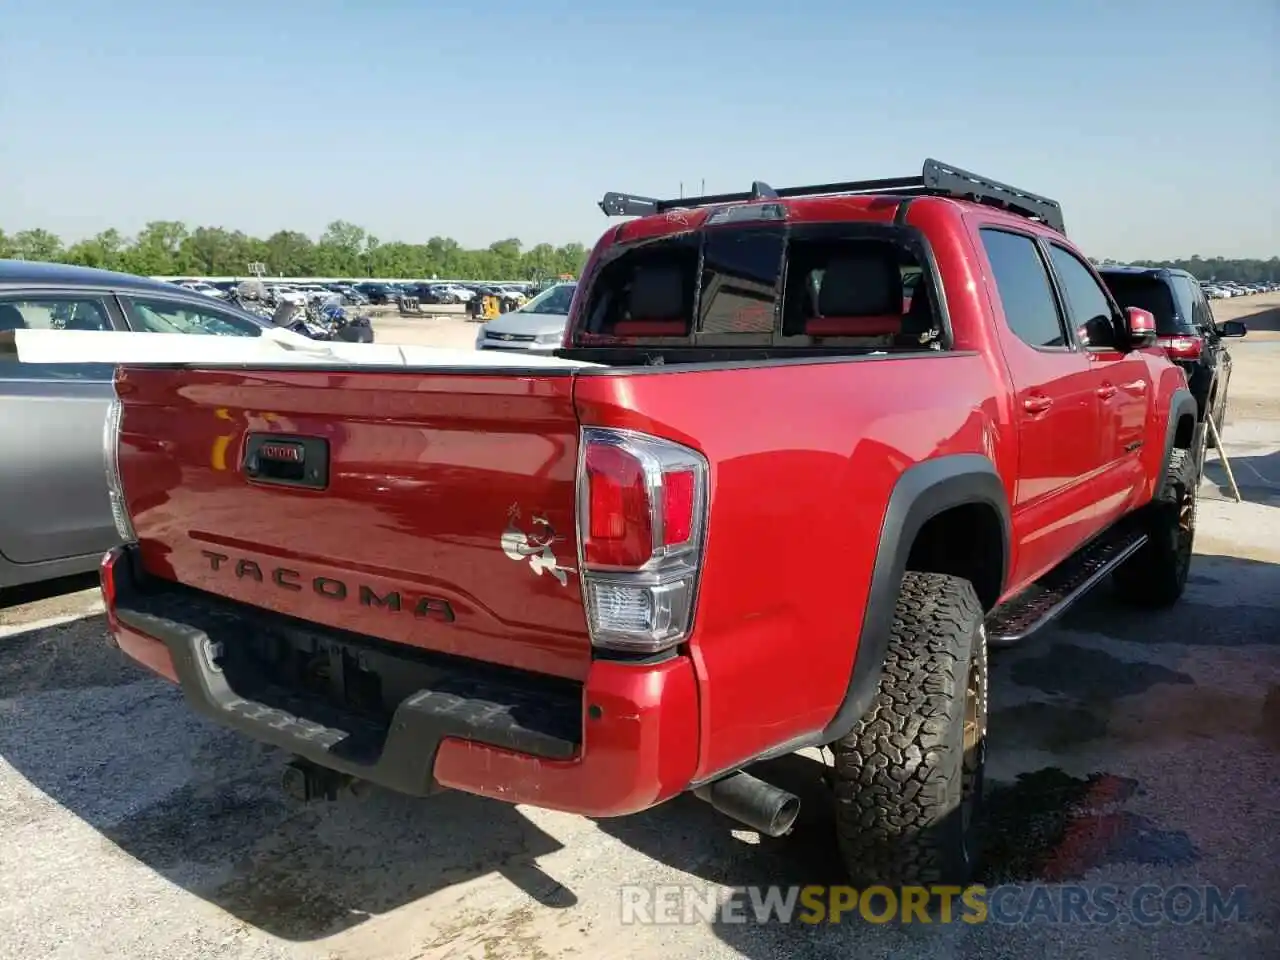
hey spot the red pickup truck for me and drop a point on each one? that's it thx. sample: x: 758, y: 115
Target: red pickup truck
x: 824, y: 447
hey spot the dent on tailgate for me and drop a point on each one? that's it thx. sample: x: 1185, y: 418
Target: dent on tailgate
x: 447, y: 521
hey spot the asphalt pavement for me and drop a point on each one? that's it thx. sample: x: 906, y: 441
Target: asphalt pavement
x: 1133, y: 758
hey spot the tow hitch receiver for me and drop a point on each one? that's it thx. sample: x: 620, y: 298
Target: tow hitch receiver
x: 305, y: 781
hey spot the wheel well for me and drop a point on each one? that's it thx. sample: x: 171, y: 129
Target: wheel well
x: 1185, y: 433
x: 964, y: 541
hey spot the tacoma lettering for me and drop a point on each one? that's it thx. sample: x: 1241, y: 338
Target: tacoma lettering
x: 279, y: 575
x: 369, y: 598
x: 247, y: 568
x: 331, y: 588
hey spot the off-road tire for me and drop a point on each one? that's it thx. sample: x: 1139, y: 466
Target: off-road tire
x: 1156, y: 575
x: 907, y: 790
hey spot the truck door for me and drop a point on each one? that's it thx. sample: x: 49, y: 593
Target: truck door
x: 1121, y: 382
x: 1055, y: 405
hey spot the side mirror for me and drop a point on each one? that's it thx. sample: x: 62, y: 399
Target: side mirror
x: 1142, y: 327
x: 1232, y: 328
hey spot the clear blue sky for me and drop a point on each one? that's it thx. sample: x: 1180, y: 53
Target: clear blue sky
x: 1156, y: 124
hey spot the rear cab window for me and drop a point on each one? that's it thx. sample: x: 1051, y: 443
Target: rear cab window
x: 846, y: 287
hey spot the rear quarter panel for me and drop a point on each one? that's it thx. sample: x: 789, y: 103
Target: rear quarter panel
x: 803, y: 461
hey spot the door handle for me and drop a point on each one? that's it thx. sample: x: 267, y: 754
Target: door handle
x: 1037, y: 404
x: 1106, y: 392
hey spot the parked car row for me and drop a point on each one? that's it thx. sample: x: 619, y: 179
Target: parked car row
x: 1222, y: 290
x: 362, y: 292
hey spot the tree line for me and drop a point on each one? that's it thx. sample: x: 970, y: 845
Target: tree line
x: 169, y: 248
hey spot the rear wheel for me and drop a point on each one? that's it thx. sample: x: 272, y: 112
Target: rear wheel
x: 909, y: 776
x: 1156, y: 575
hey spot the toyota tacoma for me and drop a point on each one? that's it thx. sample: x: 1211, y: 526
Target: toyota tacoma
x: 817, y: 450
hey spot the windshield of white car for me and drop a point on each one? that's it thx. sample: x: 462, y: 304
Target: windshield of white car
x: 555, y: 299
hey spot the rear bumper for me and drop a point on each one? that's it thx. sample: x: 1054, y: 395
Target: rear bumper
x: 623, y: 741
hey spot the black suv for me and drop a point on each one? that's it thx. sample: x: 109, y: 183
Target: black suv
x: 1184, y: 326
x: 379, y: 294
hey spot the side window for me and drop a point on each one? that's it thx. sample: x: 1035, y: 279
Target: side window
x: 55, y: 313
x: 1025, y: 291
x: 153, y: 315
x: 1206, y: 310
x: 1200, y: 314
x: 1088, y: 306
x: 1185, y: 297
x: 739, y: 281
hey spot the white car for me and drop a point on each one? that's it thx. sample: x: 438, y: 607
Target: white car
x: 287, y: 294
x: 314, y: 292
x: 195, y: 286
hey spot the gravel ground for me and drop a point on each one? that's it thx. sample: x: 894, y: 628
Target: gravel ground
x: 1125, y: 750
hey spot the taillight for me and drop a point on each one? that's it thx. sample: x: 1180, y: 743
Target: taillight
x: 111, y: 456
x: 107, y: 574
x: 641, y: 515
x: 1182, y: 348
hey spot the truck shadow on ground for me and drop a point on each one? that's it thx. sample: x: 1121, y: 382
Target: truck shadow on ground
x: 1068, y: 713
x: 203, y: 807
x: 46, y: 589
x: 1257, y: 477
x: 1265, y: 318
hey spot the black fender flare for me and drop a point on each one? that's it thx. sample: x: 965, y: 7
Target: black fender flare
x: 922, y: 491
x: 1182, y: 403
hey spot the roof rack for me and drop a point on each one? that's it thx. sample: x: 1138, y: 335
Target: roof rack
x: 936, y: 179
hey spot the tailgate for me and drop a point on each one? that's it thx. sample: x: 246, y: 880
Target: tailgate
x: 435, y: 510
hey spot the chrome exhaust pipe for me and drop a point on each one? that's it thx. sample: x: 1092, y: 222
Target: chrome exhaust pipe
x: 749, y: 800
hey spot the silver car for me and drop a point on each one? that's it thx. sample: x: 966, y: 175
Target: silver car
x: 55, y: 517
x: 538, y: 326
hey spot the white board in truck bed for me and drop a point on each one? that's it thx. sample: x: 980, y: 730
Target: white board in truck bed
x: 276, y: 347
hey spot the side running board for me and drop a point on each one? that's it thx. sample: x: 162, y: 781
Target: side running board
x: 1050, y: 596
